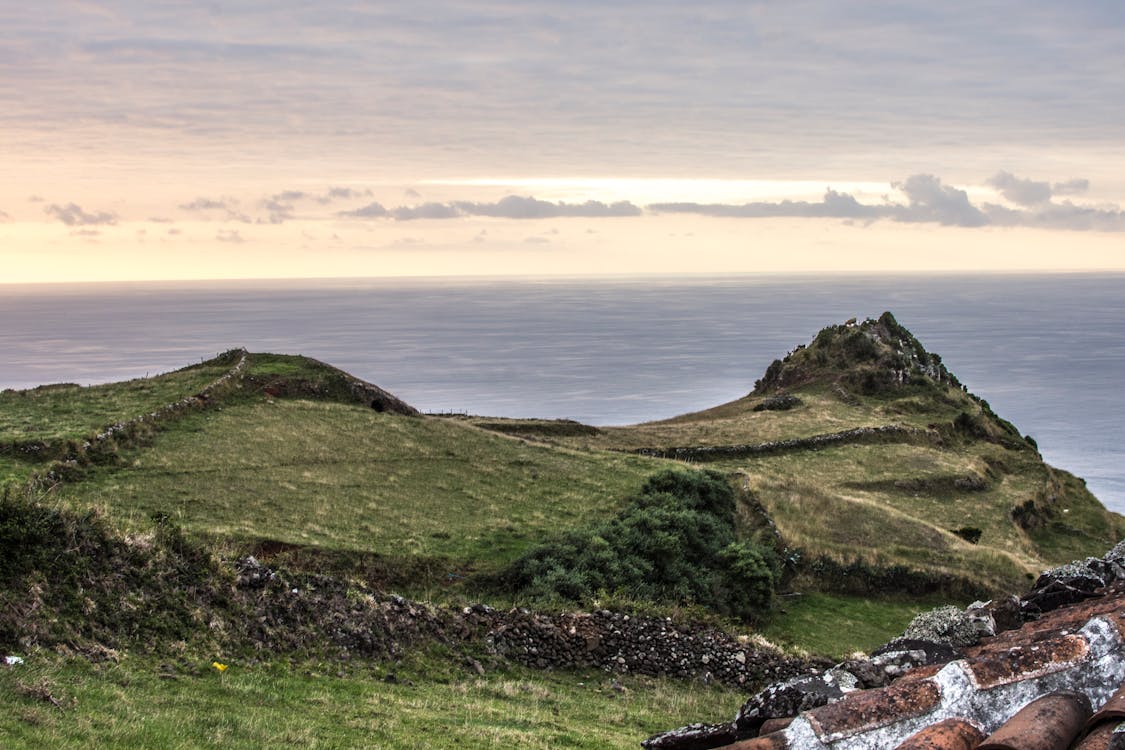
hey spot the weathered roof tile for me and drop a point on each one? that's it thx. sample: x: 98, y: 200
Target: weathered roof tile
x: 870, y: 709
x: 1025, y: 661
x: 1047, y: 723
x: 773, y: 741
x: 1101, y: 726
x: 774, y: 725
x: 1065, y: 660
x: 1108, y: 736
x: 951, y: 734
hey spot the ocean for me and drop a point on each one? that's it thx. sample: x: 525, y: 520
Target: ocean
x: 1046, y: 351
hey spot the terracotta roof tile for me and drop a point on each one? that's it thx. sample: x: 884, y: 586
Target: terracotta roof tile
x: 774, y: 725
x: 774, y: 741
x: 871, y: 709
x: 1047, y: 723
x: 1021, y: 662
x: 1108, y: 736
x: 1101, y: 726
x: 951, y: 734
x: 922, y: 673
x: 1060, y: 621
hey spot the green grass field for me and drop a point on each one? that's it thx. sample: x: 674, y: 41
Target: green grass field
x: 185, y: 703
x: 833, y: 625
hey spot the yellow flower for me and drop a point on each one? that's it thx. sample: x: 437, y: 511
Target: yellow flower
x: 221, y: 667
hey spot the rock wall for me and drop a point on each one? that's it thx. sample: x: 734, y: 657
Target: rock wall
x: 857, y: 436
x: 624, y: 643
x: 110, y: 437
x: 301, y: 611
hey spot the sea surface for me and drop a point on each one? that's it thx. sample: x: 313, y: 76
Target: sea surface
x: 1047, y: 351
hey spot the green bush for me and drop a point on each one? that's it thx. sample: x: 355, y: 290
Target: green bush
x: 674, y: 543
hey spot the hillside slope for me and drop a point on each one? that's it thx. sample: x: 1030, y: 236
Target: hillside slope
x: 880, y: 470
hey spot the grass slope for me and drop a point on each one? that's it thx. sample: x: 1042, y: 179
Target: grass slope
x: 338, y: 476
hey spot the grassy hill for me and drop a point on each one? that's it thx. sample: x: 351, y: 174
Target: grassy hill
x: 864, y: 452
x: 875, y: 462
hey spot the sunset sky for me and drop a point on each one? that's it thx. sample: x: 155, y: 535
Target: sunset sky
x: 184, y: 140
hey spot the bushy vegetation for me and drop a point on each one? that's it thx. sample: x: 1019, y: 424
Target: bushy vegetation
x: 68, y: 577
x: 674, y: 542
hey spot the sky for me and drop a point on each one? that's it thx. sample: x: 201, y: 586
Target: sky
x: 286, y: 139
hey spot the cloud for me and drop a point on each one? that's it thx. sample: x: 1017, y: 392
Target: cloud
x: 1031, y: 192
x: 834, y: 205
x: 228, y: 205
x: 1021, y: 191
x: 426, y: 211
x: 1071, y: 187
x: 509, y: 207
x: 205, y: 204
x: 1065, y: 215
x: 279, y: 211
x: 5, y: 216
x: 374, y: 210
x: 931, y: 201
x: 36, y: 199
x: 74, y: 216
x: 229, y: 235
x: 343, y: 193
x: 526, y: 207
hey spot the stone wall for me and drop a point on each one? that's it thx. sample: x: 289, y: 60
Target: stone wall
x: 857, y: 436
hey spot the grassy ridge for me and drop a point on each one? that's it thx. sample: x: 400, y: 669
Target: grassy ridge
x: 344, y: 477
x: 68, y: 411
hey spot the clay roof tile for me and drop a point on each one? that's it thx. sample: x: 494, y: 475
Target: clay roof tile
x: 774, y: 741
x: 869, y: 709
x: 1113, y: 709
x: 774, y: 725
x: 1023, y: 661
x: 1034, y: 653
x: 1103, y: 737
x: 951, y: 734
x: 1102, y: 726
x: 1047, y: 723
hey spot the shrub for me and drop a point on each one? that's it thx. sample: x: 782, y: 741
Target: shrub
x: 970, y: 534
x: 674, y: 543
